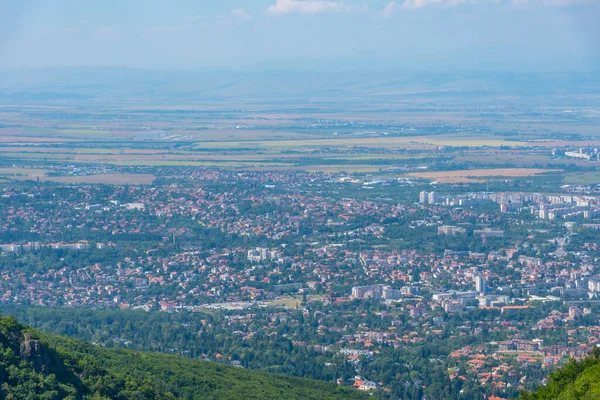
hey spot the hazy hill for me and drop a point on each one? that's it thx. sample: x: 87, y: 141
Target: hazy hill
x: 36, y: 365
x: 60, y: 84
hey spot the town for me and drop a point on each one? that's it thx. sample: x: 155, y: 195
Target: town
x: 506, y: 280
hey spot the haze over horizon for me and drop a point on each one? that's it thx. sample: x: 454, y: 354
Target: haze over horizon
x: 437, y: 35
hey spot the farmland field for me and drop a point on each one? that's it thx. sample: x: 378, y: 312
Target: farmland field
x: 583, y: 178
x: 477, y: 175
x: 24, y: 174
x: 388, y: 133
x: 340, y: 168
x: 110, y: 179
x: 383, y: 142
x: 20, y: 173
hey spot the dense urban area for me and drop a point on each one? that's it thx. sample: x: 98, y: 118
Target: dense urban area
x: 392, y: 285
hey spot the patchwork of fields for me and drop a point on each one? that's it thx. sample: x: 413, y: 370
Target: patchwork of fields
x: 126, y: 145
x: 478, y: 175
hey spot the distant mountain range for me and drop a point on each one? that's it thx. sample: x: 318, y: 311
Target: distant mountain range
x: 112, y: 83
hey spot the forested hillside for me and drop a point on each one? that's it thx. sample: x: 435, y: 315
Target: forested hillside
x: 576, y: 380
x: 37, y: 365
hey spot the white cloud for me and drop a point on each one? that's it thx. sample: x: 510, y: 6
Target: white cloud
x: 556, y: 3
x: 424, y: 3
x: 396, y: 5
x: 390, y: 9
x: 240, y: 13
x: 312, y: 7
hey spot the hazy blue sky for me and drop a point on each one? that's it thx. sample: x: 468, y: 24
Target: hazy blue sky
x: 237, y: 34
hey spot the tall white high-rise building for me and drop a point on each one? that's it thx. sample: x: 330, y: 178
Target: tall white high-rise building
x: 432, y: 197
x: 480, y: 284
x: 423, y: 197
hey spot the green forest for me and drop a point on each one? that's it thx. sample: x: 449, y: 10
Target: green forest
x: 38, y: 365
x: 577, y: 380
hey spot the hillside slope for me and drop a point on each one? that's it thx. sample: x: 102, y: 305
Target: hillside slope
x: 36, y: 365
x: 576, y: 380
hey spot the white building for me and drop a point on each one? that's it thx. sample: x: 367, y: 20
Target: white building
x: 432, y: 197
x: 257, y: 255
x: 479, y: 284
x: 594, y: 285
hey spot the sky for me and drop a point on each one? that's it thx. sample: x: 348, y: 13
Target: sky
x: 239, y: 35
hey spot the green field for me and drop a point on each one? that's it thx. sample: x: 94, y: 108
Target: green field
x: 309, y: 149
x: 382, y: 142
x: 583, y: 178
